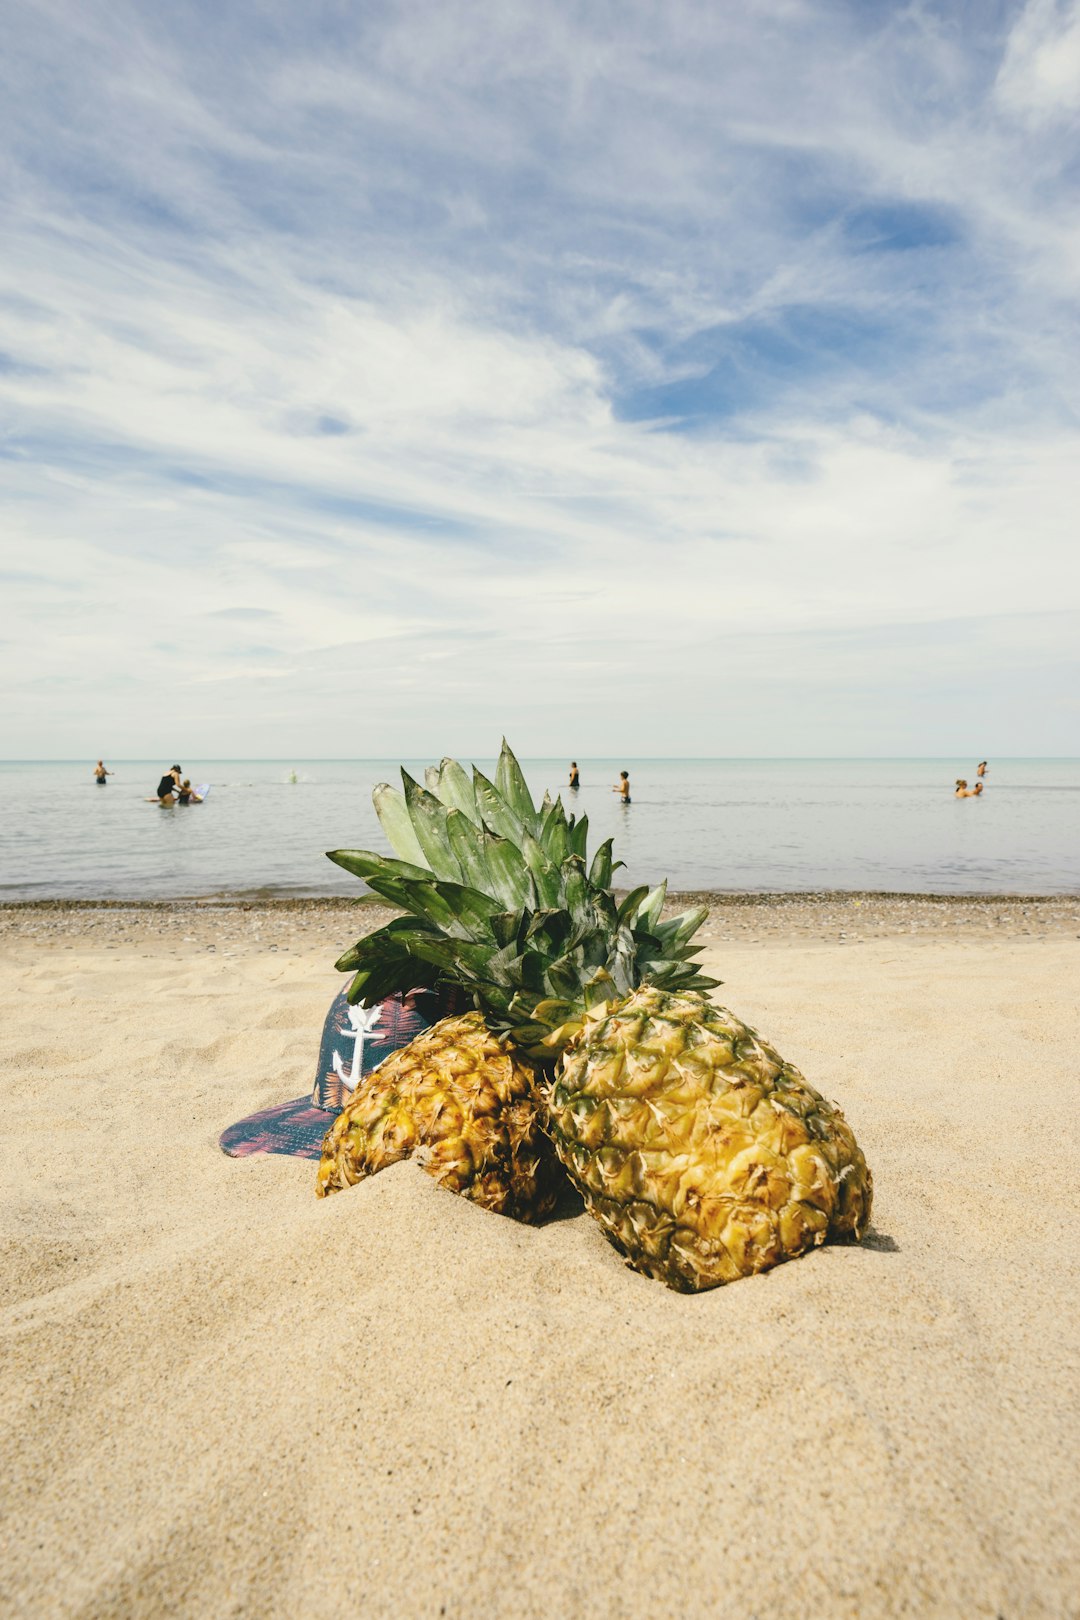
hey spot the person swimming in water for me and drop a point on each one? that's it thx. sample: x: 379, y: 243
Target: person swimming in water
x: 575, y: 779
x: 622, y: 787
x: 187, y: 794
x: 964, y: 792
x: 101, y: 775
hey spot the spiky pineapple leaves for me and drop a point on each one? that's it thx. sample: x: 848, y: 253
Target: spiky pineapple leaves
x: 396, y: 823
x: 456, y: 790
x: 498, y: 898
x: 513, y: 790
x: 428, y: 817
x: 467, y: 842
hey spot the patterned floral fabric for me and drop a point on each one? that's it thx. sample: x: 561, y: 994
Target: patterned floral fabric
x: 392, y: 1025
x: 293, y: 1127
x: 297, y: 1128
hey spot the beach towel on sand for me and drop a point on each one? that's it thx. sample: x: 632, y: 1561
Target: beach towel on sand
x: 354, y: 1042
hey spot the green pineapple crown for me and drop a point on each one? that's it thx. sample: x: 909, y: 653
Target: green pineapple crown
x: 498, y: 899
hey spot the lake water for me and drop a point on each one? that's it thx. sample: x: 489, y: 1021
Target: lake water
x: 755, y: 825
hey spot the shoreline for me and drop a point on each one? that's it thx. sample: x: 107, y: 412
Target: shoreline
x: 676, y: 899
x: 184, y: 926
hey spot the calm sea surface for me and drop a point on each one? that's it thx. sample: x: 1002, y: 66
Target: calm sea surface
x: 705, y: 824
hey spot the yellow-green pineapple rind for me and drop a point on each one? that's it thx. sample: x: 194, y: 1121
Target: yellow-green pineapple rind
x: 462, y: 1103
x: 703, y: 1155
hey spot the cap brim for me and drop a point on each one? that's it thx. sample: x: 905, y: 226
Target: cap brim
x: 294, y: 1128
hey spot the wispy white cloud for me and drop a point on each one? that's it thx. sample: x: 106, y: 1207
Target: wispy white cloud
x: 620, y: 379
x: 1039, y: 77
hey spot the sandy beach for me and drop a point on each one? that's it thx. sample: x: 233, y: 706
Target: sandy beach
x: 224, y: 1397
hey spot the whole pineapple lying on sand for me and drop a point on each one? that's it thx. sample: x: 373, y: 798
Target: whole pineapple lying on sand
x: 703, y: 1155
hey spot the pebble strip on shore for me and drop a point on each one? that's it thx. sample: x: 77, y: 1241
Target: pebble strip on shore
x: 246, y: 927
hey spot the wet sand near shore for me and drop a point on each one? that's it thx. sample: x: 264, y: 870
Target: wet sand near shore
x: 222, y: 1396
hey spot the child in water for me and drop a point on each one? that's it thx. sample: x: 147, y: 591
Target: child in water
x: 622, y: 787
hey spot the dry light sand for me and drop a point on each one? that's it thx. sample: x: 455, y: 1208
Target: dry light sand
x: 224, y: 1397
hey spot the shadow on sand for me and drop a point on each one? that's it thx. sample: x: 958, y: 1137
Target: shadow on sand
x: 881, y: 1241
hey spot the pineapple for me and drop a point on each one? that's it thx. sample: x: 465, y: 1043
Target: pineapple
x: 703, y: 1155
x: 464, y: 1103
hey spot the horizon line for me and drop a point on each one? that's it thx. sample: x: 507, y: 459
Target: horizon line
x: 605, y: 759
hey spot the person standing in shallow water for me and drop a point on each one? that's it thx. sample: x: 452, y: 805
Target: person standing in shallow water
x: 169, y: 787
x: 101, y: 775
x: 622, y: 787
x: 983, y: 768
x: 575, y: 779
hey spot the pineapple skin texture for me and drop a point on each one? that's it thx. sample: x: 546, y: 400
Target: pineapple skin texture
x: 462, y: 1103
x: 703, y: 1155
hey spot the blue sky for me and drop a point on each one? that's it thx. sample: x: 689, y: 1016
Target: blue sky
x: 630, y: 379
